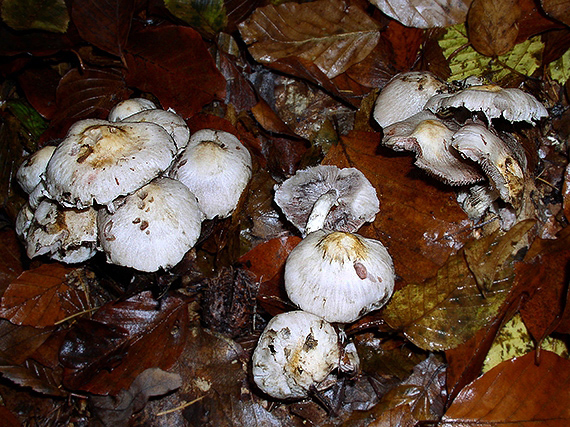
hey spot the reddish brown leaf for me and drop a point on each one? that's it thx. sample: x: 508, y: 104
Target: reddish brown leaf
x: 10, y: 261
x: 143, y: 333
x: 40, y: 85
x: 42, y: 297
x: 267, y: 259
x: 36, y: 377
x: 405, y: 43
x: 19, y: 342
x: 104, y: 23
x: 516, y: 393
x: 534, y: 21
x: 377, y: 68
x: 184, y: 79
x: 8, y: 419
x: 558, y: 9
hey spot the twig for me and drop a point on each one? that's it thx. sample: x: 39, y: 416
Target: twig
x: 178, y: 408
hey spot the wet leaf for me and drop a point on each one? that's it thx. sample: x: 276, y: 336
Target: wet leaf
x: 10, y: 261
x: 209, y: 17
x: 560, y: 69
x: 184, y: 81
x: 334, y: 35
x: 29, y: 118
x: 425, y: 13
x: 19, y: 342
x: 50, y: 15
x: 35, y: 376
x: 558, y: 9
x: 43, y: 296
x: 517, y: 392
x: 104, y: 23
x: 449, y: 309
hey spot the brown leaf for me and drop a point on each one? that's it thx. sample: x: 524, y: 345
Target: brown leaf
x: 405, y: 43
x: 420, y: 221
x: 105, y: 23
x: 39, y: 85
x: 566, y: 193
x: 19, y: 342
x: 143, y: 333
x: 184, y: 79
x: 10, y: 261
x: 516, y: 393
x: 492, y: 25
x: 558, y: 9
x: 332, y: 34
x: 37, y: 377
x: 424, y: 13
x: 8, y: 418
x: 267, y: 259
x: 41, y: 297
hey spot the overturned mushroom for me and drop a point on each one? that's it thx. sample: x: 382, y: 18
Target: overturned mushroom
x: 129, y: 107
x: 152, y: 228
x: 294, y: 354
x: 405, y: 95
x: 216, y: 167
x: 327, y: 197
x: 339, y: 276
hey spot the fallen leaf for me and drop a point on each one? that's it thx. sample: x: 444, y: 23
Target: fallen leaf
x: 19, y: 342
x: 424, y: 13
x: 208, y: 17
x: 35, y: 376
x: 8, y: 418
x: 10, y: 261
x: 36, y: 15
x: 405, y: 42
x: 516, y: 393
x: 558, y: 9
x: 332, y: 34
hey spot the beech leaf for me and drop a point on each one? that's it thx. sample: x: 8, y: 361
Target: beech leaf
x: 425, y: 13
x: 332, y: 34
x: 516, y: 393
x: 42, y: 296
x: 50, y: 15
x: 450, y: 308
x: 39, y: 378
x: 558, y: 9
x: 19, y: 342
x: 209, y: 17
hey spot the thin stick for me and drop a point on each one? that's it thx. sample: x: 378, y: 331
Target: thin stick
x: 178, y: 408
x: 75, y: 315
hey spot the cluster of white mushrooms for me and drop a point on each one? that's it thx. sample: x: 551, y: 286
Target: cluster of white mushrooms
x: 333, y: 275
x: 422, y: 114
x: 136, y: 186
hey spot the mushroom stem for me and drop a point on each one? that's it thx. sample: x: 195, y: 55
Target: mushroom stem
x: 320, y: 210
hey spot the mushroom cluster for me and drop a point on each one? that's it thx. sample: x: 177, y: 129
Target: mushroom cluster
x: 333, y: 276
x: 453, y: 134
x: 117, y: 186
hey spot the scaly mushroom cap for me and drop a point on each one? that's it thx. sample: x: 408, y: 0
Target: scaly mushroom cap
x: 152, y: 228
x: 430, y: 139
x: 405, y: 95
x: 100, y: 161
x: 497, y: 160
x: 513, y: 104
x: 339, y: 276
x: 216, y: 167
x: 173, y: 123
x: 129, y: 107
x: 354, y: 200
x: 66, y: 235
x: 295, y: 352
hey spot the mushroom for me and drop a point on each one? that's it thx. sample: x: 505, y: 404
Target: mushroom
x: 327, y: 197
x: 129, y: 107
x: 66, y: 235
x: 100, y: 161
x: 152, y: 228
x: 339, y: 276
x: 430, y: 139
x: 29, y: 174
x: 494, y: 101
x: 405, y: 95
x: 295, y: 353
x: 216, y: 167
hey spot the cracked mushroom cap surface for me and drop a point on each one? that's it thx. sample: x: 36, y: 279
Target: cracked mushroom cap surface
x: 356, y: 201
x: 128, y: 107
x: 152, y: 228
x: 296, y: 351
x: 216, y: 167
x: 513, y: 104
x: 405, y: 95
x: 339, y: 276
x: 99, y: 161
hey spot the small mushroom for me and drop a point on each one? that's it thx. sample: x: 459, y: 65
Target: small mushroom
x: 29, y: 174
x: 294, y: 354
x: 430, y: 139
x: 129, y: 107
x: 339, y: 276
x: 494, y: 101
x: 327, y: 197
x: 152, y: 228
x: 216, y: 167
x: 405, y: 95
x: 100, y: 161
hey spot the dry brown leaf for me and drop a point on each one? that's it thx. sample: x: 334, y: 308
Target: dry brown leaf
x: 332, y: 34
x: 425, y: 13
x: 492, y: 25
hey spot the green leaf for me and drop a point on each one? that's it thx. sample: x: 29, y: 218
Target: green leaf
x: 207, y: 16
x: 560, y: 69
x: 450, y: 308
x: 30, y: 118
x: 465, y: 61
x: 48, y: 15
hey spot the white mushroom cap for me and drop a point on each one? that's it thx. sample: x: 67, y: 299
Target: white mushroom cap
x: 29, y: 174
x: 172, y: 122
x: 339, y: 276
x: 405, y: 95
x: 513, y: 104
x: 350, y: 199
x: 430, y: 139
x: 67, y: 235
x: 100, y: 161
x: 152, y: 228
x: 295, y: 352
x: 129, y: 107
x: 216, y: 167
